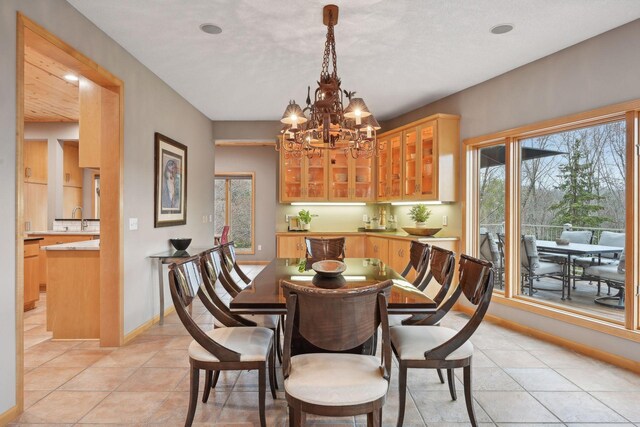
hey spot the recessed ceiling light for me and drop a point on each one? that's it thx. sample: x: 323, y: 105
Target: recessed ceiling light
x: 71, y: 77
x: 210, y: 29
x: 502, y: 28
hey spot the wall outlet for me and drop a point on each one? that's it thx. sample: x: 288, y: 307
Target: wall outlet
x: 210, y: 218
x: 133, y: 223
x: 259, y: 247
x: 445, y: 220
x: 365, y: 218
x: 204, y: 219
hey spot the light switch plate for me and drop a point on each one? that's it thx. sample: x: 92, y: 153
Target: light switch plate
x: 259, y: 247
x: 445, y: 220
x: 133, y: 223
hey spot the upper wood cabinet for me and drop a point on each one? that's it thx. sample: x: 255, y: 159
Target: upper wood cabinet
x: 303, y: 179
x: 72, y: 172
x: 421, y: 161
x: 92, y: 97
x: 36, y: 157
x: 351, y: 179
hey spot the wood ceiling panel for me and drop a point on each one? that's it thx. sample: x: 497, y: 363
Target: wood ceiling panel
x: 48, y: 96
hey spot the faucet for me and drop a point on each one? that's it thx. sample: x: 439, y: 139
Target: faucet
x: 83, y: 224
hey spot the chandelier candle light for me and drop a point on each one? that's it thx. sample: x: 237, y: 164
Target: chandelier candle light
x: 329, y: 126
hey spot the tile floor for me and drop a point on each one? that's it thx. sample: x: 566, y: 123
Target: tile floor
x: 518, y: 380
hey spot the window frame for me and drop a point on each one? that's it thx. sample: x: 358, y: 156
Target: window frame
x: 628, y: 111
x: 228, y: 176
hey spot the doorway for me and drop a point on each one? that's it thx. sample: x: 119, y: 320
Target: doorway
x: 109, y: 155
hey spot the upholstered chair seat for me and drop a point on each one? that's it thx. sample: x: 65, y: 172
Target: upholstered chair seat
x: 411, y: 342
x: 335, y: 379
x: 253, y: 344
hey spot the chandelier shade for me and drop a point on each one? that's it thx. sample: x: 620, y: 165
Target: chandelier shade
x: 327, y: 125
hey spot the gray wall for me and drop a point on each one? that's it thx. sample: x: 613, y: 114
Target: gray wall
x: 150, y: 106
x: 263, y: 161
x: 595, y: 73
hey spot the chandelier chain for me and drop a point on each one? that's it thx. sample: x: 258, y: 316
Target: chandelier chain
x: 329, y: 52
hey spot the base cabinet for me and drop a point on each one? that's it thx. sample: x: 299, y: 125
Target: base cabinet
x: 31, y: 274
x: 290, y: 246
x: 377, y: 247
x: 399, y: 255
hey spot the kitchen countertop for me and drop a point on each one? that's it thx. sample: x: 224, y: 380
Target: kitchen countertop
x: 389, y: 234
x: 85, y: 245
x: 70, y: 233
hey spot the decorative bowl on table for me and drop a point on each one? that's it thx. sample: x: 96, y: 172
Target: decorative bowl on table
x: 180, y: 244
x: 421, y: 231
x: 562, y: 242
x: 329, y: 268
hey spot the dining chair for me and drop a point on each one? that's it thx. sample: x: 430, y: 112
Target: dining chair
x: 212, y: 272
x: 230, y: 261
x: 221, y: 349
x: 532, y: 267
x: 224, y: 237
x: 437, y: 347
x: 331, y: 382
x: 320, y: 249
x: 418, y: 261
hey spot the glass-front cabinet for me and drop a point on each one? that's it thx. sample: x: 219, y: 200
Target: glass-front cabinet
x: 303, y: 179
x: 350, y: 179
x: 421, y: 161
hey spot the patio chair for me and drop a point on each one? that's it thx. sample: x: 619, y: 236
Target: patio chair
x: 607, y: 238
x: 531, y: 267
x: 614, y: 276
x: 490, y: 251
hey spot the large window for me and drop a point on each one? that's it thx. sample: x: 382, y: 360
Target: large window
x: 234, y: 206
x: 553, y: 206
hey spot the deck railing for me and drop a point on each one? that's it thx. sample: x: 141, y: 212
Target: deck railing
x: 550, y: 232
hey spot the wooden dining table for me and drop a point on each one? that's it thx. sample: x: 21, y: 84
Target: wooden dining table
x: 264, y: 295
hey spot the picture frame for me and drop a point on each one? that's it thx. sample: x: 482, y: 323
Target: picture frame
x: 170, y: 194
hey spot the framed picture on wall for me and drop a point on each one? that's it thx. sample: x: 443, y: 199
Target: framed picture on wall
x: 170, y: 182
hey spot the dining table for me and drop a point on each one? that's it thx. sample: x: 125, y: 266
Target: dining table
x: 264, y: 295
x: 575, y: 249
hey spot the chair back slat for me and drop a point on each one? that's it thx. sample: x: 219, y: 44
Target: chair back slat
x: 185, y: 284
x: 337, y: 319
x: 473, y: 278
x: 322, y: 249
x: 418, y: 260
x: 217, y: 307
x: 224, y: 276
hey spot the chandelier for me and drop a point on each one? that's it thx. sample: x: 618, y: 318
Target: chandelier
x: 329, y: 126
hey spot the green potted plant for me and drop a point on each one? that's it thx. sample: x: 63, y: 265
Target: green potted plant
x: 420, y: 214
x: 305, y: 219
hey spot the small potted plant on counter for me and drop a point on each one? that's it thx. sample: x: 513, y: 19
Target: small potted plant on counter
x: 305, y: 219
x: 420, y: 214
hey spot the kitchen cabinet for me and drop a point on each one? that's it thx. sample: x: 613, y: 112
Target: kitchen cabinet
x: 54, y: 239
x: 399, y: 255
x: 31, y: 274
x: 35, y: 156
x: 72, y: 198
x: 72, y: 172
x: 92, y: 126
x: 377, y: 247
x: 291, y: 246
x: 35, y: 206
x: 390, y: 167
x: 421, y: 161
x: 354, y: 247
x: 350, y: 179
x: 303, y: 179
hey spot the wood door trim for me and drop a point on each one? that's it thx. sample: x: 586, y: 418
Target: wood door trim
x: 112, y: 274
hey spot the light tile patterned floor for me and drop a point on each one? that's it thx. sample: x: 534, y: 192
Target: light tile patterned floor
x: 518, y: 381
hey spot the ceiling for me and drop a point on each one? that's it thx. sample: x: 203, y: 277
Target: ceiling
x: 48, y: 97
x: 397, y: 54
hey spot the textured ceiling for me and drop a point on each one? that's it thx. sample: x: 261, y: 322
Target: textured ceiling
x: 397, y: 54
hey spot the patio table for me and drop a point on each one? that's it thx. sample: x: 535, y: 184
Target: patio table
x: 575, y: 249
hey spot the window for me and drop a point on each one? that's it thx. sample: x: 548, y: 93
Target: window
x: 532, y: 189
x: 234, y: 206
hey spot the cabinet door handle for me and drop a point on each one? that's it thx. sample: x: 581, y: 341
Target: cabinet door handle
x: 67, y: 177
x: 375, y: 249
x: 27, y: 172
x: 27, y: 226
